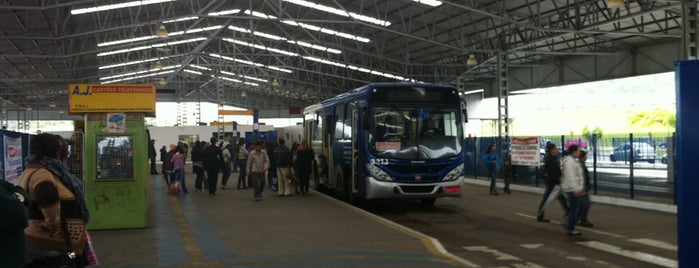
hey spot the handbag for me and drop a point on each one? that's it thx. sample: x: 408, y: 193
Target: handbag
x: 66, y: 259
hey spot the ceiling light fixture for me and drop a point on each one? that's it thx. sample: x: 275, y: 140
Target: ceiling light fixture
x: 433, y: 3
x: 193, y: 72
x: 327, y: 31
x: 157, y: 65
x: 471, y: 61
x: 242, y: 94
x: 116, y: 6
x: 275, y: 83
x: 52, y: 105
x: 225, y: 12
x: 181, y: 19
x: 250, y: 63
x: 156, y: 46
x: 138, y: 76
x: 200, y: 67
x: 340, y: 12
x: 130, y: 40
x: 162, y: 81
x: 161, y: 32
x: 360, y: 69
x: 612, y: 4
x: 280, y: 51
x: 132, y: 62
x: 279, y: 38
x: 140, y: 72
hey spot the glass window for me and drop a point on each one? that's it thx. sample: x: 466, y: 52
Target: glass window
x: 318, y: 134
x: 114, y: 157
x: 339, y: 122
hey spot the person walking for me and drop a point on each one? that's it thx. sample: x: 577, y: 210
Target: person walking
x: 242, y: 160
x: 585, y: 198
x: 163, y: 152
x: 304, y: 165
x: 508, y: 173
x: 178, y: 167
x: 168, y: 168
x: 14, y: 204
x: 572, y: 185
x: 57, y: 201
x: 213, y: 161
x: 151, y: 155
x: 257, y: 166
x: 493, y: 162
x: 552, y: 178
x: 198, y: 165
x: 283, y: 159
x: 227, y: 160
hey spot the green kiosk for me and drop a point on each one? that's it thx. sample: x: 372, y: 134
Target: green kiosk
x: 115, y: 156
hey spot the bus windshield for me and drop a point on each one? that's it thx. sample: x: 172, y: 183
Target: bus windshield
x: 415, y: 133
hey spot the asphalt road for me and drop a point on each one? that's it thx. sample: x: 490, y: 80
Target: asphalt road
x: 501, y: 231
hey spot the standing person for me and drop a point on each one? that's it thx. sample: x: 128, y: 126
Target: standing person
x: 508, y: 173
x: 272, y: 171
x: 14, y: 201
x: 213, y: 160
x: 57, y: 201
x: 198, y: 165
x: 234, y: 154
x: 168, y: 168
x: 430, y: 129
x: 493, y: 162
x: 552, y: 177
x: 283, y: 158
x: 227, y: 159
x: 257, y: 166
x: 163, y: 152
x: 304, y: 165
x: 585, y: 199
x: 151, y: 155
x: 572, y: 185
x: 294, y: 173
x: 178, y: 167
x: 242, y: 160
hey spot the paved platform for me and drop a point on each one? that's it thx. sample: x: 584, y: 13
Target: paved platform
x: 232, y: 230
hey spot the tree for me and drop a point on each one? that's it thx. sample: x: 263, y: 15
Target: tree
x: 654, y: 118
x: 587, y: 133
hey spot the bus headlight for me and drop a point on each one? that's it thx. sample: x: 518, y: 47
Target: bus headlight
x: 378, y: 173
x: 454, y: 173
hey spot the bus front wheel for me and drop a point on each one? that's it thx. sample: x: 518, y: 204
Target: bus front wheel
x: 429, y: 201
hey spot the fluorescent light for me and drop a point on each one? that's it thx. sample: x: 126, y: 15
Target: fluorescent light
x: 126, y: 50
x: 137, y: 77
x: 340, y: 12
x: 225, y: 12
x: 250, y: 83
x: 196, y: 30
x: 200, y: 67
x: 259, y: 14
x: 140, y: 72
x: 254, y: 78
x: 193, y: 72
x: 433, y: 3
x: 235, y: 80
x: 181, y: 19
x: 317, y: 47
x: 355, y: 68
x: 250, y: 63
x: 327, y: 31
x: 132, y: 63
x: 117, y: 6
x: 228, y: 73
x: 136, y: 39
x: 284, y: 52
x: 472, y: 92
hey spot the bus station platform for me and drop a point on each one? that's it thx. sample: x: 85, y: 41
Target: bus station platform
x: 233, y: 230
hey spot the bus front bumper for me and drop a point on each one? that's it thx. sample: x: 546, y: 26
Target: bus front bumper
x: 382, y: 189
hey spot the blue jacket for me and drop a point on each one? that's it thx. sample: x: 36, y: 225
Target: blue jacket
x: 488, y: 160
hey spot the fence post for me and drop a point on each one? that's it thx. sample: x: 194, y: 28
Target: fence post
x: 563, y: 144
x: 476, y: 147
x: 632, y: 158
x: 594, y: 163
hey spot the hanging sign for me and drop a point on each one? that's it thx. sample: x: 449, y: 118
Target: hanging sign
x: 114, y: 98
x: 525, y: 151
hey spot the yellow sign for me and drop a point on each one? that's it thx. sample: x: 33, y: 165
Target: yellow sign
x: 111, y: 98
x: 216, y: 123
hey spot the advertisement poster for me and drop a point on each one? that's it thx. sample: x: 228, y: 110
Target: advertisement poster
x: 13, y: 158
x: 116, y: 123
x: 525, y: 151
x: 116, y: 98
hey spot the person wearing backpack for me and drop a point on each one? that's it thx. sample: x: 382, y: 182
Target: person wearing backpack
x: 283, y: 160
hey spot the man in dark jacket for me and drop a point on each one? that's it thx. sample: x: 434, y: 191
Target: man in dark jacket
x: 282, y: 158
x: 552, y: 177
x: 213, y: 161
x: 151, y: 155
x: 168, y: 167
x: 14, y: 203
x: 198, y: 165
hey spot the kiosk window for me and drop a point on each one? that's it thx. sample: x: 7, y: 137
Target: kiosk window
x: 114, y: 157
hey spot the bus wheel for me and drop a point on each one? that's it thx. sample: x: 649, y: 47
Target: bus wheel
x: 429, y: 201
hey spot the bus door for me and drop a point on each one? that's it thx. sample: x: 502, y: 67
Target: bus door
x: 356, y: 131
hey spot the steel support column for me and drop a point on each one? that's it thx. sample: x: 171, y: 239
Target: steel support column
x: 221, y: 102
x: 689, y: 20
x: 503, y: 105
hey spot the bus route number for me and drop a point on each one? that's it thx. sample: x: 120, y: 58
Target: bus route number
x: 379, y: 161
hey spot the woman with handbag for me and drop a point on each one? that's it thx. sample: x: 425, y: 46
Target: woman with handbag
x: 57, y: 207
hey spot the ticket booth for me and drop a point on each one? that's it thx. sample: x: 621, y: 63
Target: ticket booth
x: 116, y: 170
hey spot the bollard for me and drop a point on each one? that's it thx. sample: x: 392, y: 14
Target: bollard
x: 632, y: 159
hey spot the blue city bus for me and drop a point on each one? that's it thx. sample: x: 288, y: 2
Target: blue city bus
x: 390, y: 140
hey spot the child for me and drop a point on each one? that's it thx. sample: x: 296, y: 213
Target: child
x: 508, y: 172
